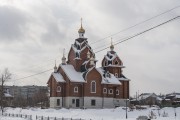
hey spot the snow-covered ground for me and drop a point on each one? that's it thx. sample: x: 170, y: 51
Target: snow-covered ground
x: 94, y: 114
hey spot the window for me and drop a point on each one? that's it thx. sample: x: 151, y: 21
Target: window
x: 105, y: 63
x: 116, y: 75
x: 93, y: 102
x: 73, y: 101
x: 76, y: 89
x: 104, y: 90
x: 93, y: 87
x: 116, y: 62
x: 117, y: 92
x: 111, y: 91
x: 58, y: 102
x: 58, y: 89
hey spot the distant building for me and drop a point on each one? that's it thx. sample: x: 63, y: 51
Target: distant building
x: 172, y: 99
x: 78, y: 83
x: 8, y: 97
x: 25, y: 94
x: 147, y: 99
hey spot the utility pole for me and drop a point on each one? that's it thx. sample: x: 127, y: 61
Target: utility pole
x: 126, y: 109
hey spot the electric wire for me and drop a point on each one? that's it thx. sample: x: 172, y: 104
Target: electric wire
x: 137, y: 24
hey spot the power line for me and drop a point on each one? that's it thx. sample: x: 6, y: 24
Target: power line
x: 115, y: 43
x: 34, y: 74
x: 142, y: 32
x: 137, y: 24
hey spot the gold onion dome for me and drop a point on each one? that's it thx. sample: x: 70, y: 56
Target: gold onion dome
x: 81, y: 29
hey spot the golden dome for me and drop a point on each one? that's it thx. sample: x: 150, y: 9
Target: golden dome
x: 81, y: 29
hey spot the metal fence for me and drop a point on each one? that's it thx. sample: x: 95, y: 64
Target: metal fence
x: 28, y: 117
x: 55, y: 118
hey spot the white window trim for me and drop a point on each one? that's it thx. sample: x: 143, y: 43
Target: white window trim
x: 116, y: 75
x: 75, y: 89
x: 95, y: 87
x: 110, y: 90
x: 58, y: 90
x: 117, y: 92
x: 105, y: 89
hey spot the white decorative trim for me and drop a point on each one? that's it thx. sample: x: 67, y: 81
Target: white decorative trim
x: 58, y: 89
x: 110, y: 91
x: 76, y: 89
x: 117, y: 92
x: 104, y: 90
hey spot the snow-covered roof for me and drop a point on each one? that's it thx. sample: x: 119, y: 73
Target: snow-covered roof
x: 123, y: 79
x: 108, y: 80
x: 58, y: 77
x: 110, y: 65
x: 72, y: 74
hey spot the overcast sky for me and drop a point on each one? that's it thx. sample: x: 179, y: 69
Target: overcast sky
x: 33, y: 34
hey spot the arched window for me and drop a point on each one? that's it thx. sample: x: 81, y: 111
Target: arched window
x: 58, y: 89
x: 76, y: 89
x: 117, y: 92
x: 110, y: 91
x: 104, y: 90
x: 116, y: 75
x: 93, y: 87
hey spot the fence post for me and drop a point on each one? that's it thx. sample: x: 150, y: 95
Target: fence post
x: 55, y: 118
x: 62, y: 118
x: 36, y: 117
x: 41, y: 117
x: 48, y: 118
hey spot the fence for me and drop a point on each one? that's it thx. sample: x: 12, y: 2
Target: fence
x: 28, y: 117
x: 55, y: 118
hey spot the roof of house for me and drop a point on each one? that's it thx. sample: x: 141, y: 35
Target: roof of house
x: 72, y: 74
x: 58, y: 77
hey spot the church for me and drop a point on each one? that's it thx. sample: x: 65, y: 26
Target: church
x: 78, y: 83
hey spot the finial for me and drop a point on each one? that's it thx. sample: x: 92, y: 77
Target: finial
x: 81, y: 22
x: 55, y: 67
x: 64, y: 52
x: 64, y: 58
x: 112, y: 46
x: 81, y: 30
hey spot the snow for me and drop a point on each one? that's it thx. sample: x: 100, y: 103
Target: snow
x: 108, y: 80
x: 72, y: 74
x: 96, y: 114
x: 58, y: 77
x: 124, y: 79
x: 7, y: 95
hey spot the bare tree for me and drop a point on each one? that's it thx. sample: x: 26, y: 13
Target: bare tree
x: 5, y: 76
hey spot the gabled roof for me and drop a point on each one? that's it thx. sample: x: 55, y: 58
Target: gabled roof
x: 72, y: 74
x: 108, y: 80
x: 58, y: 77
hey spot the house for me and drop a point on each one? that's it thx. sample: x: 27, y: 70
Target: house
x: 147, y: 99
x: 173, y: 99
x: 78, y: 83
x: 8, y: 97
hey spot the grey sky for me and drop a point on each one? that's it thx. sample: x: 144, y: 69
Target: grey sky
x: 33, y: 34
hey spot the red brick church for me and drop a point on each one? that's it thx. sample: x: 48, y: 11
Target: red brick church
x: 78, y: 83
